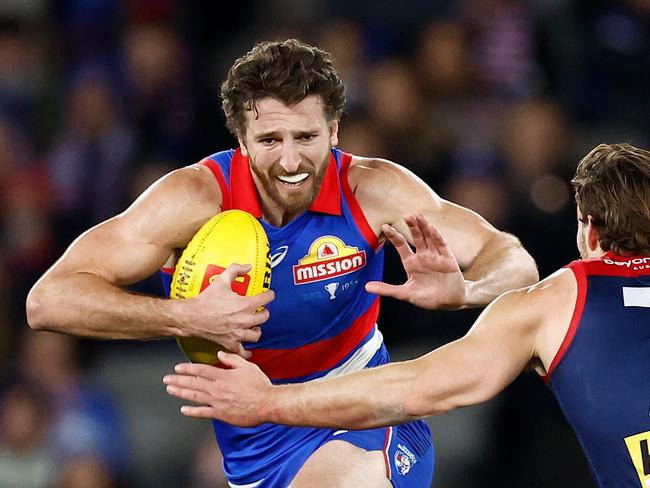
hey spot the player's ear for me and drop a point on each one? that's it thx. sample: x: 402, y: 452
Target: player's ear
x: 593, y: 237
x: 334, y: 133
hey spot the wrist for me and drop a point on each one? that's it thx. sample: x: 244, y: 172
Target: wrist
x: 475, y: 295
x: 174, y: 315
x: 273, y: 403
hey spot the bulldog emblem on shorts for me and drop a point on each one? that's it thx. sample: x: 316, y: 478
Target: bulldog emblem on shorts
x: 404, y: 459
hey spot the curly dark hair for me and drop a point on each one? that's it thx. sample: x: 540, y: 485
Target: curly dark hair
x: 288, y: 70
x: 612, y: 184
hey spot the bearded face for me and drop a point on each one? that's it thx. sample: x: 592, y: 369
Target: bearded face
x: 285, y: 189
x: 288, y: 149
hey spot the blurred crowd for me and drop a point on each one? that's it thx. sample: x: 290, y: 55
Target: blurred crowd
x: 491, y: 102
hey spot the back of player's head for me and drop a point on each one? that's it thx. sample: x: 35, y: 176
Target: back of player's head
x: 612, y: 184
x: 287, y: 70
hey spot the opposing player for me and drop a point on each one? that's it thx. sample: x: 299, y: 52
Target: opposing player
x: 585, y: 329
x: 323, y: 211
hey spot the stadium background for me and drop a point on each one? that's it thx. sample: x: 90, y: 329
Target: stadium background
x: 492, y: 102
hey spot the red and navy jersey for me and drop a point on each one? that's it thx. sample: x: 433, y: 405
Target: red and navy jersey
x: 322, y: 321
x: 601, y: 373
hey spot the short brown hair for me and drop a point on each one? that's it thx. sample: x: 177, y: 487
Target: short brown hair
x: 287, y: 70
x: 612, y: 184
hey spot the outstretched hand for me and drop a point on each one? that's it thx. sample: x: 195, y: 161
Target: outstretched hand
x: 235, y: 395
x: 434, y: 279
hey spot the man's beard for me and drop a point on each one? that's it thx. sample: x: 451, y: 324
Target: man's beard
x: 300, y: 201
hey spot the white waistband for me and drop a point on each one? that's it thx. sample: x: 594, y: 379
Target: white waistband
x: 247, y: 485
x: 360, y: 358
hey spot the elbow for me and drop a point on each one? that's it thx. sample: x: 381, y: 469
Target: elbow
x: 36, y: 309
x: 530, y: 274
x: 527, y: 273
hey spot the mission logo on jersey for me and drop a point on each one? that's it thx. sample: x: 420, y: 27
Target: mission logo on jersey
x: 327, y: 258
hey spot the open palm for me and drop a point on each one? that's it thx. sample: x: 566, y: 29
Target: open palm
x: 434, y: 279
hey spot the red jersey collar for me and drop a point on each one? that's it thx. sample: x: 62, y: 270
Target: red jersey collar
x: 244, y: 195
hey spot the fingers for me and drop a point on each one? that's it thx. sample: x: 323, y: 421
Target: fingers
x: 191, y: 388
x: 398, y: 240
x: 233, y: 271
x: 196, y: 369
x: 386, y: 290
x: 198, y: 412
x: 262, y: 299
x: 416, y: 233
x: 188, y: 394
x: 231, y: 360
x: 250, y: 335
x: 258, y: 318
x: 243, y: 352
x: 433, y: 238
x: 234, y: 346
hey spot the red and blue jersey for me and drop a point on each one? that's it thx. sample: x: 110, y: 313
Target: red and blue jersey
x: 320, y: 262
x: 601, y: 373
x: 322, y: 323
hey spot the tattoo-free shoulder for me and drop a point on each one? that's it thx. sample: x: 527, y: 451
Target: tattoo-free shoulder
x: 194, y: 183
x: 377, y: 181
x: 172, y: 209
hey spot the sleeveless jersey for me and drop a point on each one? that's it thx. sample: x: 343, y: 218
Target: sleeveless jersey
x: 322, y: 323
x: 601, y: 373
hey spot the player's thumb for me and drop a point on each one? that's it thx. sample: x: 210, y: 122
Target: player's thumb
x: 384, y: 289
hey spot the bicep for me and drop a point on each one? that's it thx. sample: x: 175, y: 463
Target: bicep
x: 116, y: 252
x: 133, y: 245
x: 465, y: 231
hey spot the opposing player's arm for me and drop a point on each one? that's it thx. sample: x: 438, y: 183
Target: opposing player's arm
x: 465, y: 372
x: 519, y: 328
x: 83, y: 293
x: 491, y: 261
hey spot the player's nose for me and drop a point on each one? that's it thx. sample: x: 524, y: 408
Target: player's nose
x: 290, y: 160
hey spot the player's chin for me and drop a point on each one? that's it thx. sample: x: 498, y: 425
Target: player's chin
x: 297, y: 200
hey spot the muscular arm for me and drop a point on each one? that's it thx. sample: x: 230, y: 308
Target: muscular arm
x: 492, y: 261
x: 468, y: 371
x: 83, y: 293
x: 519, y: 328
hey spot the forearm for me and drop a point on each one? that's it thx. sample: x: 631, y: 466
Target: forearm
x: 361, y: 400
x: 84, y: 304
x: 502, y: 265
x: 386, y: 395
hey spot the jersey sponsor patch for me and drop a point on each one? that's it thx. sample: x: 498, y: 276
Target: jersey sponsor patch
x: 328, y: 257
x: 639, y: 448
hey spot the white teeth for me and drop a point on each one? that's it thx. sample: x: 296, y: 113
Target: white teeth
x: 297, y: 178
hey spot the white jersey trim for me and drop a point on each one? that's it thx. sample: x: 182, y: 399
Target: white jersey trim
x: 247, y: 485
x: 360, y: 358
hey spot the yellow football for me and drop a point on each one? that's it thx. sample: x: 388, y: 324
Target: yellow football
x: 233, y: 236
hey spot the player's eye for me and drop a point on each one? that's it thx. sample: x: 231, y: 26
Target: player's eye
x: 267, y: 141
